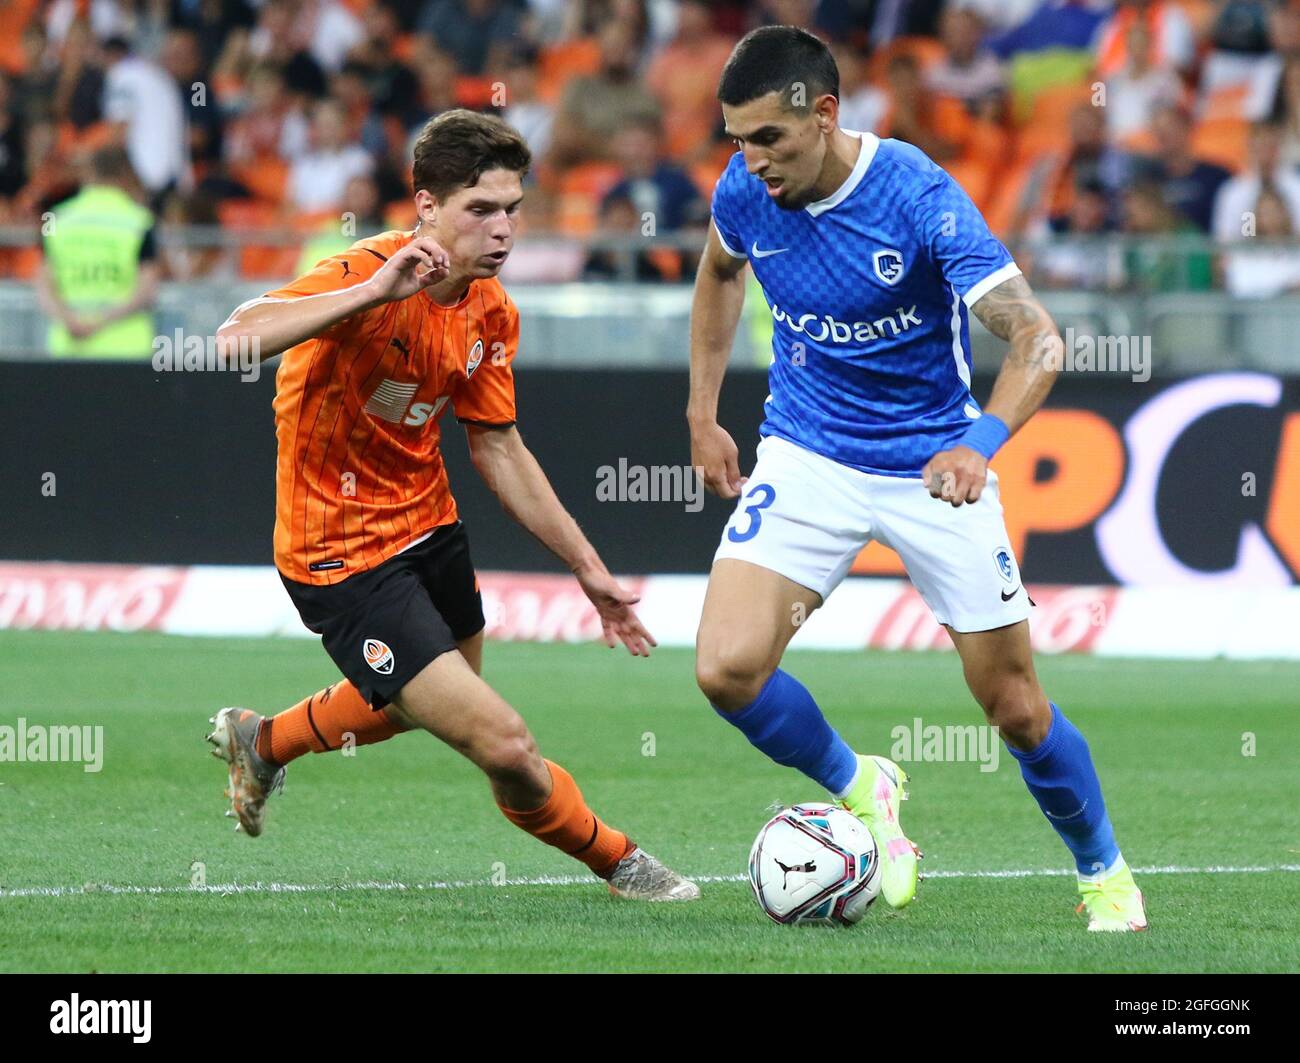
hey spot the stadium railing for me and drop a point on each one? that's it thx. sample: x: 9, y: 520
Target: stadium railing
x: 1151, y: 297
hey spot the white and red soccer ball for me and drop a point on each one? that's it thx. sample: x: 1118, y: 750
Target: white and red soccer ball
x: 814, y: 863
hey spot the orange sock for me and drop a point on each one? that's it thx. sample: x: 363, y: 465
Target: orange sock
x: 318, y: 724
x: 567, y: 823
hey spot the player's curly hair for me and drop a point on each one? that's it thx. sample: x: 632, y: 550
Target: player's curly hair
x: 775, y: 59
x: 455, y: 148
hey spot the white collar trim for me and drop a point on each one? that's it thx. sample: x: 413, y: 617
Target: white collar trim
x: 870, y: 142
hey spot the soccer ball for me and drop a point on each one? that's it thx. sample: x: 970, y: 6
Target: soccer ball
x: 814, y: 863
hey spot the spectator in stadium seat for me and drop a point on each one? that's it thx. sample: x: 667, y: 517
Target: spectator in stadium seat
x: 659, y: 189
x: 594, y: 108
x: 524, y: 111
x: 1152, y: 265
x: 351, y: 87
x: 392, y: 83
x: 1261, y: 272
x: 471, y: 31
x: 13, y: 168
x: 331, y: 31
x: 318, y: 179
x: 1287, y: 107
x: 914, y: 111
x: 359, y: 217
x: 102, y: 19
x: 99, y: 276
x: 182, y: 58
x: 619, y: 216
x: 147, y: 117
x: 1235, y: 203
x: 269, y: 123
x: 1172, y: 42
x: 180, y: 262
x: 684, y: 79
x: 34, y: 88
x: 1189, y: 185
x: 1069, y: 253
x: 863, y: 106
x: 968, y: 71
x: 1138, y: 87
x: 79, y: 91
x: 1088, y: 158
x: 435, y: 74
x: 48, y: 177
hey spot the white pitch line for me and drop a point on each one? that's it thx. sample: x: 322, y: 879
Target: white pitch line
x: 551, y: 880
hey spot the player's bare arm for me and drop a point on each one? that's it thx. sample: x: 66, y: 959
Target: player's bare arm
x: 278, y: 324
x: 514, y: 476
x: 1013, y: 313
x: 715, y: 312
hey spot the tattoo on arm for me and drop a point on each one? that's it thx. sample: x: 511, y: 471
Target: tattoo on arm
x: 1012, y: 313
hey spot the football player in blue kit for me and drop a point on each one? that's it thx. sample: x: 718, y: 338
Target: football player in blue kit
x: 871, y: 259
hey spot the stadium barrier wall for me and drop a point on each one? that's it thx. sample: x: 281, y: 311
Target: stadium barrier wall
x: 1234, y: 622
x: 1189, y: 483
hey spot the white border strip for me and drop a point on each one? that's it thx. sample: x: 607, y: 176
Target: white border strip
x: 377, y: 886
x: 980, y: 289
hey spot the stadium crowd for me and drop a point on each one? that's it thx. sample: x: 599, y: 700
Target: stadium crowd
x: 1075, y: 118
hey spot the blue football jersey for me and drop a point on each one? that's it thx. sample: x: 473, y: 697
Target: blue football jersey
x: 869, y: 290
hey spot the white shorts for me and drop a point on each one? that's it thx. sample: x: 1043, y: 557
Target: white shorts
x: 807, y: 517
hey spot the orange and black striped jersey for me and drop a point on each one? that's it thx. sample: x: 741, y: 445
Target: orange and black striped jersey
x: 359, y: 474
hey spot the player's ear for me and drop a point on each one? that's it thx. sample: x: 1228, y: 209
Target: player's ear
x: 426, y: 207
x: 827, y: 112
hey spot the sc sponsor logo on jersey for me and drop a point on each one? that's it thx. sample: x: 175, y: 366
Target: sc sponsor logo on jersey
x: 888, y: 265
x: 378, y: 656
x: 475, y: 357
x: 391, y: 402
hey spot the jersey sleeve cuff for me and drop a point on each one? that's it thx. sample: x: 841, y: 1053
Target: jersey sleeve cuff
x: 726, y: 246
x: 980, y: 289
x: 485, y: 424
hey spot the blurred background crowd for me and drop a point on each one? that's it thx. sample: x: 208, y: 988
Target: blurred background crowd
x: 1065, y: 121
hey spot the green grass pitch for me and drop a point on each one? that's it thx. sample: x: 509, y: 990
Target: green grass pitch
x: 80, y: 852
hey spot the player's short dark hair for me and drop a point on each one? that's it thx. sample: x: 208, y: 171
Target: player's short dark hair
x: 774, y: 59
x: 457, y: 147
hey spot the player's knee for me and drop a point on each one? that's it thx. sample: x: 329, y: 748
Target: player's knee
x: 730, y: 677
x: 1016, y: 705
x: 509, y: 755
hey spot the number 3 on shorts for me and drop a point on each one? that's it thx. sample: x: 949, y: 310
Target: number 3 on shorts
x: 754, y: 512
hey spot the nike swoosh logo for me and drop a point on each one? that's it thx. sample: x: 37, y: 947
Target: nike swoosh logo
x: 1007, y: 597
x: 763, y: 254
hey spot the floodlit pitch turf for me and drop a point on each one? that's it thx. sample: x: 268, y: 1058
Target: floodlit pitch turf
x: 653, y: 759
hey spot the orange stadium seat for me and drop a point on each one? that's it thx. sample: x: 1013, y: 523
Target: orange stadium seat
x: 266, y: 177
x: 1048, y: 127
x: 257, y: 261
x: 926, y: 50
x: 17, y: 15
x: 561, y: 62
x: 580, y: 190
x: 1222, y: 140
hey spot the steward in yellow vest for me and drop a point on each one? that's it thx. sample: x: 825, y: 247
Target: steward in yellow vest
x: 100, y: 275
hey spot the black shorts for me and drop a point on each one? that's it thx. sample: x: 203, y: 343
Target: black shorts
x: 382, y: 626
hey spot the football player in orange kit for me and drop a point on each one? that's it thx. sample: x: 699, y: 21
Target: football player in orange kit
x: 378, y: 341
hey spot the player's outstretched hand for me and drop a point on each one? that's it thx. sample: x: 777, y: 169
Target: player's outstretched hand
x: 617, y: 617
x: 714, y: 452
x: 417, y: 265
x: 956, y: 476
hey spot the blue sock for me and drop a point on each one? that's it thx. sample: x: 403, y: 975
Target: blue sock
x: 786, y: 724
x: 1060, y: 775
